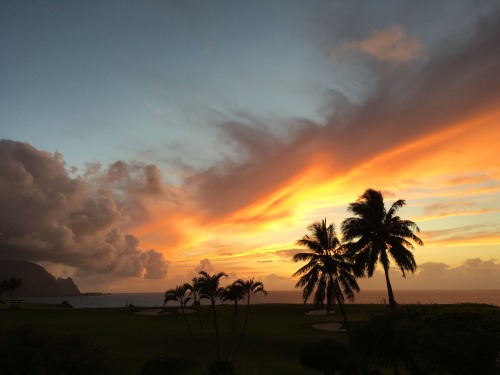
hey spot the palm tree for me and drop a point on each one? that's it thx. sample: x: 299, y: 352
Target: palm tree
x: 233, y: 292
x: 250, y: 287
x: 210, y: 289
x: 178, y: 294
x: 195, y: 294
x: 329, y: 272
x: 374, y: 234
x: 11, y: 285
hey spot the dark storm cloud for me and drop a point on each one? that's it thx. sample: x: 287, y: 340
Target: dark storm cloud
x: 48, y: 215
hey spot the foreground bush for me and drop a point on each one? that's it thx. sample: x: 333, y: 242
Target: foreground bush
x: 30, y: 350
x: 458, y: 339
x: 168, y: 365
x: 324, y: 355
x: 221, y: 367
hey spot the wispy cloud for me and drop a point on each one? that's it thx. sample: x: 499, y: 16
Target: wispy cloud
x: 440, y: 210
x: 478, y: 234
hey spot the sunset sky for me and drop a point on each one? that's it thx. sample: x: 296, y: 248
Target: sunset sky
x: 144, y: 141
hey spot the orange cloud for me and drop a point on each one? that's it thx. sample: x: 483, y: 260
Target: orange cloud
x: 391, y: 44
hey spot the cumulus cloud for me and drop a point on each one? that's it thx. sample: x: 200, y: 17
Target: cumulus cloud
x: 48, y: 215
x: 391, y: 44
x: 205, y: 265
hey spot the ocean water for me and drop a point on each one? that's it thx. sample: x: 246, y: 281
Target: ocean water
x: 491, y: 297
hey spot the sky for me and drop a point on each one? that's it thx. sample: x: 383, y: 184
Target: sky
x: 144, y: 141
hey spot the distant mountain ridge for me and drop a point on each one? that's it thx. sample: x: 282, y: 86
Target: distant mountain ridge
x: 36, y: 280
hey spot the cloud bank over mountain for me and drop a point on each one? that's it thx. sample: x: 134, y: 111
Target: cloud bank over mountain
x: 49, y: 215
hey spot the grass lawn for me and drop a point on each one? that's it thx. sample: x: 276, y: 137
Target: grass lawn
x: 274, y: 335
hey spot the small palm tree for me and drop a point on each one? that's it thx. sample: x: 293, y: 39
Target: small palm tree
x: 376, y: 235
x: 233, y: 292
x: 11, y: 285
x: 178, y: 294
x: 195, y: 294
x: 249, y: 287
x: 329, y: 272
x: 210, y: 289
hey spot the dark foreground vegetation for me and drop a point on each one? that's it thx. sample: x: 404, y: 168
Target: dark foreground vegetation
x: 436, y: 339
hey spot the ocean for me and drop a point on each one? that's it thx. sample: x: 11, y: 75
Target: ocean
x: 154, y: 299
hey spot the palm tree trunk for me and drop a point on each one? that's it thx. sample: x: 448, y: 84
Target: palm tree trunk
x: 234, y: 326
x: 392, y: 301
x: 244, y: 327
x: 216, y: 325
x: 197, y: 307
x: 246, y: 318
x: 235, y: 318
x: 189, y: 328
x: 341, y: 306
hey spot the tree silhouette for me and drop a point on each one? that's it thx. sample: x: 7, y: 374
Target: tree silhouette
x: 178, y: 294
x: 233, y: 292
x: 210, y: 289
x: 250, y: 287
x: 374, y: 234
x: 10, y: 287
x: 195, y: 293
x: 329, y: 272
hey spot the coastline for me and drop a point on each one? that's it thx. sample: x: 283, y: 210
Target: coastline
x: 155, y: 299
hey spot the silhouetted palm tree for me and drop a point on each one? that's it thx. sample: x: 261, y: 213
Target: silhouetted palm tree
x: 374, y: 234
x: 195, y: 294
x: 250, y: 287
x: 178, y: 294
x: 10, y: 287
x: 210, y: 289
x: 233, y: 292
x: 329, y: 272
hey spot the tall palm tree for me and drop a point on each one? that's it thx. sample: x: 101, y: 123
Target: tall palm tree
x: 233, y: 292
x: 329, y: 272
x: 178, y: 294
x: 376, y: 235
x: 11, y: 285
x: 249, y: 287
x: 195, y: 294
x: 210, y: 289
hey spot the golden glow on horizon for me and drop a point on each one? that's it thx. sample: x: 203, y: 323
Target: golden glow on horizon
x: 254, y: 239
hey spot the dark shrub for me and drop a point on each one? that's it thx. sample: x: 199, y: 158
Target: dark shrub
x: 66, y: 304
x: 168, y: 365
x: 352, y: 365
x: 324, y: 355
x: 221, y: 367
x: 456, y: 339
x: 30, y: 350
